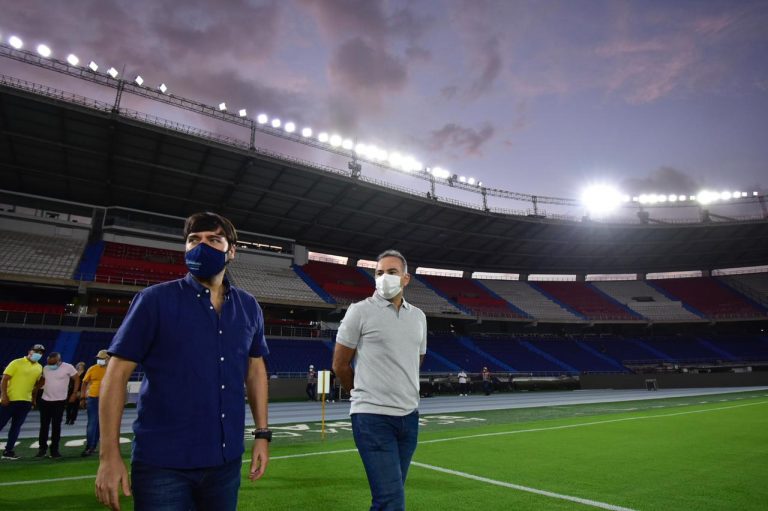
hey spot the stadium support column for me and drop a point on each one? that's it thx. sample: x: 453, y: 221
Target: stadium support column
x: 253, y: 136
x: 523, y: 277
x: 706, y: 273
x: 485, y: 198
x: 467, y: 274
x: 642, y: 277
x: 351, y: 261
x: 118, y: 97
x: 581, y: 277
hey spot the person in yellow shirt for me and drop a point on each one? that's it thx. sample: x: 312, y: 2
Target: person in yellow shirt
x: 21, y: 380
x: 90, y: 396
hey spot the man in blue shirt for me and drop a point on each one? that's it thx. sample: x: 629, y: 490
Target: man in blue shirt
x: 197, y: 339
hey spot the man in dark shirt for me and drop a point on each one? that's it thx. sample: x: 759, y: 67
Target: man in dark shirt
x: 197, y: 339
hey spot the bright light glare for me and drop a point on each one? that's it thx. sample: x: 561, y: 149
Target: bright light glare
x: 600, y: 199
x: 163, y: 88
x: 335, y: 140
x: 681, y: 197
x: 262, y: 118
x: 306, y: 132
x: 242, y: 112
x: 72, y: 59
x: 323, y: 137
x: 707, y: 197
x: 347, y: 144
x: 725, y: 195
x: 471, y: 181
x: 16, y: 42
x: 222, y: 106
x: 290, y: 127
x: 441, y: 173
x: 93, y: 66
x: 276, y: 123
x: 43, y: 50
x: 139, y: 80
x: 112, y: 72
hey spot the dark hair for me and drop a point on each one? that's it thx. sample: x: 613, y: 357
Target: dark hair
x: 207, y: 221
x: 394, y: 253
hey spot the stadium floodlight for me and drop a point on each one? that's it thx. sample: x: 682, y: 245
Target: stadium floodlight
x: 290, y: 127
x: 139, y: 80
x: 707, y: 197
x: 725, y: 195
x: 347, y: 144
x: 163, y: 88
x: 681, y: 198
x: 44, y: 50
x: 462, y: 179
x: 471, y: 181
x: 672, y: 197
x: 692, y: 198
x: 626, y: 198
x: 736, y: 195
x: 382, y: 155
x: 276, y: 123
x: 441, y: 173
x: 72, y: 59
x: 744, y: 194
x: 661, y: 198
x: 306, y: 132
x: 242, y: 112
x: 480, y: 184
x: 643, y: 199
x: 395, y: 159
x: 361, y: 148
x: 112, y: 72
x: 93, y: 66
x: 15, y: 42
x: 635, y: 199
x: 335, y: 140
x: 323, y: 137
x: 754, y: 194
x: 601, y: 199
x: 222, y: 106
x: 262, y: 118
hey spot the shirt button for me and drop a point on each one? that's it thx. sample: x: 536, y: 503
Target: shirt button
x: 222, y: 387
x: 223, y: 415
x: 221, y: 332
x: 223, y: 445
x: 222, y: 359
x: 211, y: 307
x: 198, y: 295
x: 207, y: 291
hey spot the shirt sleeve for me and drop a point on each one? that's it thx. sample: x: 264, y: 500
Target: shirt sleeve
x: 88, y: 375
x: 71, y: 371
x: 137, y: 333
x: 423, y: 347
x: 351, y: 328
x: 10, y: 370
x: 259, y: 344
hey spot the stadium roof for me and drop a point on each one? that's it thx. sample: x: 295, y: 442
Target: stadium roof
x: 79, y: 150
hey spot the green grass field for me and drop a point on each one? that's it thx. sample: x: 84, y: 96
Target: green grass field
x: 702, y: 453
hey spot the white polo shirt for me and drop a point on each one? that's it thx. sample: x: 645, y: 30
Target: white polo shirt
x: 57, y: 382
x: 389, y: 344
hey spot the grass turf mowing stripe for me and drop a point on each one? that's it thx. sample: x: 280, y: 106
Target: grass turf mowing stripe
x: 463, y: 437
x: 587, y: 502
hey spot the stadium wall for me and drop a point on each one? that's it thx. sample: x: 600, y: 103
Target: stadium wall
x: 673, y: 380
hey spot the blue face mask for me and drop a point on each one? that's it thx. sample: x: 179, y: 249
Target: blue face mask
x: 36, y: 357
x: 204, y: 261
x: 52, y: 367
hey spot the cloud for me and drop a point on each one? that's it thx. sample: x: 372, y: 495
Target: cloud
x: 367, y: 69
x: 489, y: 61
x: 453, y: 136
x: 662, y: 180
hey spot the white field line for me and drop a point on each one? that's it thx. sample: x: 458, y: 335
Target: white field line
x: 449, y: 439
x: 586, y: 502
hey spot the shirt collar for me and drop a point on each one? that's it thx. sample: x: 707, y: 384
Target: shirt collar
x: 199, y: 288
x: 381, y: 302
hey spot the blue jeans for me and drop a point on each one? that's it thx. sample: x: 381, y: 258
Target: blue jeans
x: 92, y: 429
x: 173, y: 489
x: 386, y: 445
x: 16, y: 412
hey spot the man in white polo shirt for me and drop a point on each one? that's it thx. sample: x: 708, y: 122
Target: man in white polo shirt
x: 387, y: 338
x: 56, y: 377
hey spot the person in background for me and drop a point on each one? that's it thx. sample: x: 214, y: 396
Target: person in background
x: 73, y: 407
x: 487, y: 383
x: 90, y: 397
x: 463, y: 387
x: 21, y: 380
x: 58, y: 378
x: 312, y: 383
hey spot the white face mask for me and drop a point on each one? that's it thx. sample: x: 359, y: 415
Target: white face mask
x: 388, y: 286
x: 101, y: 362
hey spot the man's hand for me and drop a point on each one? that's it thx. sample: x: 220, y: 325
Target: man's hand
x: 112, y: 475
x: 73, y: 397
x: 259, y: 458
x: 5, y: 401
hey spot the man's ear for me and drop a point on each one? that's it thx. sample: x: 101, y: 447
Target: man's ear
x: 406, y: 279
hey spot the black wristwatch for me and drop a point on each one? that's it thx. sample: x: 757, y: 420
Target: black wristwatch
x: 263, y: 433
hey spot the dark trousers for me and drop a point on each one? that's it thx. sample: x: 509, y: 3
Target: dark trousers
x: 72, y: 410
x: 173, y: 489
x: 51, y: 413
x: 386, y: 445
x: 312, y: 391
x: 16, y: 412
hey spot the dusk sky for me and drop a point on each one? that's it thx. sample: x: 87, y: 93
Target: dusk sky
x: 536, y: 97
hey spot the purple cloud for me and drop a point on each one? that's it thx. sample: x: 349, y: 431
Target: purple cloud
x: 468, y: 141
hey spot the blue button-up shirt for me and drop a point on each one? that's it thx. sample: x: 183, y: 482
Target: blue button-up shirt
x: 191, y: 408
